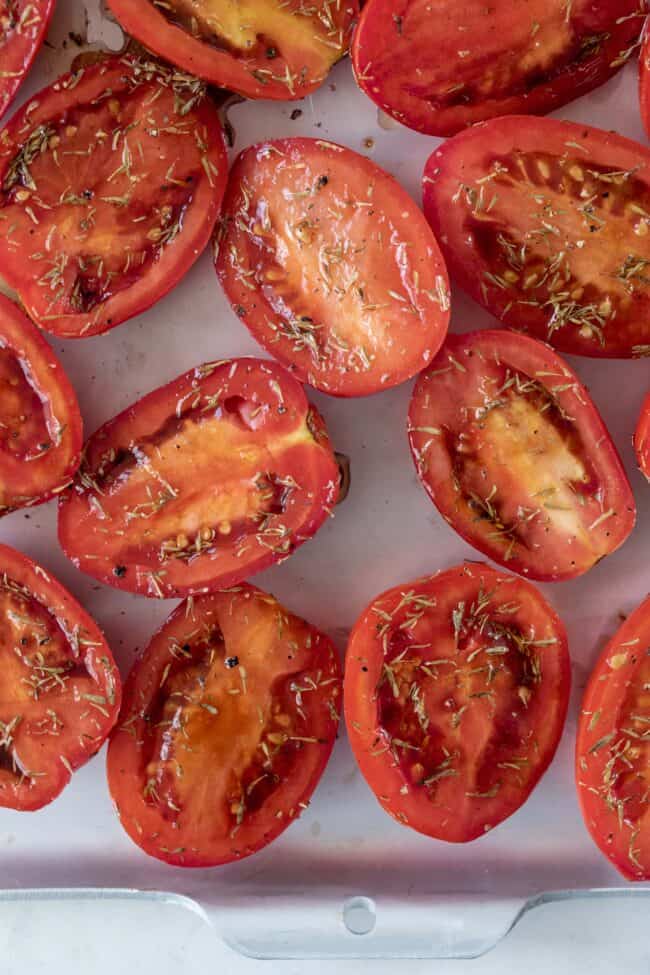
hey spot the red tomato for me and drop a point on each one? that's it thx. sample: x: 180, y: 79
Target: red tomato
x: 331, y: 266
x: 612, y: 748
x: 260, y: 48
x: 644, y: 80
x: 547, y: 225
x: 40, y: 423
x: 60, y: 689
x: 515, y: 456
x: 438, y: 67
x: 642, y: 438
x: 23, y: 25
x: 229, y: 718
x: 456, y: 691
x: 200, y: 484
x: 110, y: 184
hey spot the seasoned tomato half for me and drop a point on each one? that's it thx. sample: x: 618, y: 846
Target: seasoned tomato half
x: 228, y: 721
x: 40, y: 423
x: 23, y: 25
x: 642, y: 438
x: 60, y: 688
x: 110, y: 184
x: 547, y: 225
x: 202, y: 483
x: 514, y: 454
x: 456, y: 691
x: 440, y: 65
x: 331, y: 266
x: 612, y: 767
x: 280, y: 49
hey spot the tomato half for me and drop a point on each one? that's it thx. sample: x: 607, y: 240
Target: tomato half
x: 547, y: 225
x: 456, y: 691
x: 110, y: 184
x: 515, y: 456
x: 279, y: 49
x: 331, y: 266
x: 228, y: 722
x: 443, y: 65
x: 60, y: 688
x: 642, y: 438
x: 612, y: 748
x: 23, y: 26
x: 40, y: 423
x: 200, y: 484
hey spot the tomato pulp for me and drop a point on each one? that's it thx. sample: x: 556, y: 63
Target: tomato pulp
x: 23, y: 25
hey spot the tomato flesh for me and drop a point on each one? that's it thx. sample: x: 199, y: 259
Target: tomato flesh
x: 229, y: 718
x: 23, y: 25
x: 456, y: 691
x: 514, y: 454
x: 642, y: 438
x: 331, y: 266
x: 547, y: 225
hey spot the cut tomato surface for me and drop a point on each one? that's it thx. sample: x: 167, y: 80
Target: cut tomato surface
x: 279, y: 49
x: 644, y: 81
x: 60, y: 688
x: 440, y: 65
x: 203, y: 482
x: 456, y: 692
x: 23, y: 25
x: 642, y: 438
x: 516, y: 457
x: 40, y: 423
x: 228, y: 721
x: 547, y: 225
x: 612, y: 748
x: 331, y: 266
x: 110, y: 184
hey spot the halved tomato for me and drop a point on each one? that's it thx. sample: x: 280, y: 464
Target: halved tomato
x: 331, y: 266
x: 280, y: 49
x: 456, y: 691
x: 229, y: 718
x: 23, y: 25
x: 200, y: 484
x: 110, y: 184
x: 612, y: 769
x: 547, y: 225
x: 642, y: 438
x: 515, y: 456
x: 40, y: 424
x: 60, y: 688
x: 440, y: 65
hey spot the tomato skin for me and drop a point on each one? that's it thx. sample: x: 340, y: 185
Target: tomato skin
x: 18, y: 48
x: 467, y: 773
x: 221, y: 473
x: 644, y: 81
x: 35, y: 381
x: 501, y: 194
x: 331, y: 216
x: 642, y: 438
x: 440, y: 67
x: 515, y: 426
x: 51, y: 725
x: 267, y: 653
x: 87, y: 247
x: 611, y: 762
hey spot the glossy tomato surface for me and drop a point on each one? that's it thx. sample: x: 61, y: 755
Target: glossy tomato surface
x: 547, y: 225
x: 228, y: 721
x: 60, y: 689
x: 612, y: 748
x: 110, y: 184
x: 200, y: 484
x: 441, y: 65
x: 279, y: 49
x: 23, y: 25
x: 40, y: 423
x: 331, y: 266
x: 456, y: 691
x: 642, y: 438
x: 514, y: 454
x: 644, y: 81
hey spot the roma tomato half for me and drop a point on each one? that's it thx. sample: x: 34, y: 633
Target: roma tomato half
x: 23, y: 26
x: 200, y: 484
x: 514, y: 454
x: 642, y: 438
x: 60, y: 688
x: 456, y: 691
x: 612, y: 748
x: 228, y: 721
x: 110, y: 184
x: 547, y: 225
x: 331, y: 266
